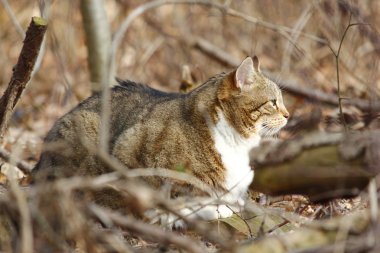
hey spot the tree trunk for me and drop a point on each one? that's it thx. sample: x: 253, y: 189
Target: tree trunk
x: 98, y: 40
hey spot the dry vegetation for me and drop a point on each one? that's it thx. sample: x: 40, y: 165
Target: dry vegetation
x: 296, y: 41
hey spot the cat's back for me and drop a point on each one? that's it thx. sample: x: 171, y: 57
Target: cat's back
x: 129, y: 103
x: 132, y: 103
x: 129, y: 94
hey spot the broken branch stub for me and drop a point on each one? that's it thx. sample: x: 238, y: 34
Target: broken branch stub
x: 22, y: 70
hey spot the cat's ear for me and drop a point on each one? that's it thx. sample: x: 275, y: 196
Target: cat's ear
x: 244, y: 73
x: 256, y: 63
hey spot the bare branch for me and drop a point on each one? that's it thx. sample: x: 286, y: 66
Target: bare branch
x: 337, y: 54
x: 147, y: 231
x: 290, y: 86
x: 44, y: 6
x: 22, y: 165
x: 22, y: 71
x: 366, y: 30
x: 25, y: 217
x: 222, y: 7
x: 13, y: 18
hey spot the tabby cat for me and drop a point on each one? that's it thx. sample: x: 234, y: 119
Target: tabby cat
x: 208, y: 131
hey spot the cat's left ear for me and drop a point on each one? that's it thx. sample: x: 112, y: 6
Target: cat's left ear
x: 245, y: 72
x: 256, y: 63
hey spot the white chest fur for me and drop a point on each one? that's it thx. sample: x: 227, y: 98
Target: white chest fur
x: 234, y: 151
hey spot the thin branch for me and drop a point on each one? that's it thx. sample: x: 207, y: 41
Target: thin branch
x: 368, y: 30
x: 117, y: 166
x: 374, y: 210
x: 22, y: 165
x: 147, y: 231
x: 300, y: 24
x: 119, y: 35
x: 157, y: 200
x: 291, y: 86
x: 337, y: 54
x: 201, y: 228
x: 25, y: 217
x: 13, y: 18
x: 44, y: 7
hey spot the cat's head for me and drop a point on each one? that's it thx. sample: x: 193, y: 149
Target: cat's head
x: 251, y: 102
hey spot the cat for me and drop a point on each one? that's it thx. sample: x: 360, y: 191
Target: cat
x: 208, y: 131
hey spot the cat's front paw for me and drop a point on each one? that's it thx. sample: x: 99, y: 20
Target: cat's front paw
x: 224, y: 211
x: 172, y: 221
x: 214, y: 212
x: 179, y: 224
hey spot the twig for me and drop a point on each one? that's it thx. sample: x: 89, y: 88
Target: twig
x: 337, y: 54
x: 374, y: 206
x: 213, y: 52
x: 212, y: 4
x: 374, y: 211
x: 201, y: 228
x: 117, y: 166
x: 278, y: 226
x: 244, y: 221
x: 367, y: 30
x: 22, y: 165
x: 44, y: 6
x: 157, y: 200
x: 300, y: 24
x: 314, y: 94
x: 146, y: 230
x: 25, y: 217
x: 290, y: 86
x: 13, y: 18
x: 22, y: 71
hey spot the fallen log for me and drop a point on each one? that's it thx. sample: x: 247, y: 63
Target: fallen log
x: 351, y: 233
x: 319, y: 165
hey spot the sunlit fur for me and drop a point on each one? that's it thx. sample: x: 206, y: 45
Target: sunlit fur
x: 251, y: 110
x: 207, y: 132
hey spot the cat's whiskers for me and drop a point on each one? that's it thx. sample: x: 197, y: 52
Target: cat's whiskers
x: 267, y: 131
x: 208, y: 131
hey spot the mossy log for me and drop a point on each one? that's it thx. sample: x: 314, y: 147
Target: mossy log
x: 319, y: 165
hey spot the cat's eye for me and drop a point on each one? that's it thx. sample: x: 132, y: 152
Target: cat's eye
x: 274, y: 102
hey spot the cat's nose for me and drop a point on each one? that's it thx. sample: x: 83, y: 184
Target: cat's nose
x: 284, y: 112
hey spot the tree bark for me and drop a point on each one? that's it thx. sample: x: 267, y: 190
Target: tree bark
x: 22, y: 71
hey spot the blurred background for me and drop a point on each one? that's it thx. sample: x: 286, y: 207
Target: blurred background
x: 294, y: 40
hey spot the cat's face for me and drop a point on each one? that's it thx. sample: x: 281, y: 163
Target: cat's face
x: 255, y: 105
x: 271, y: 114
